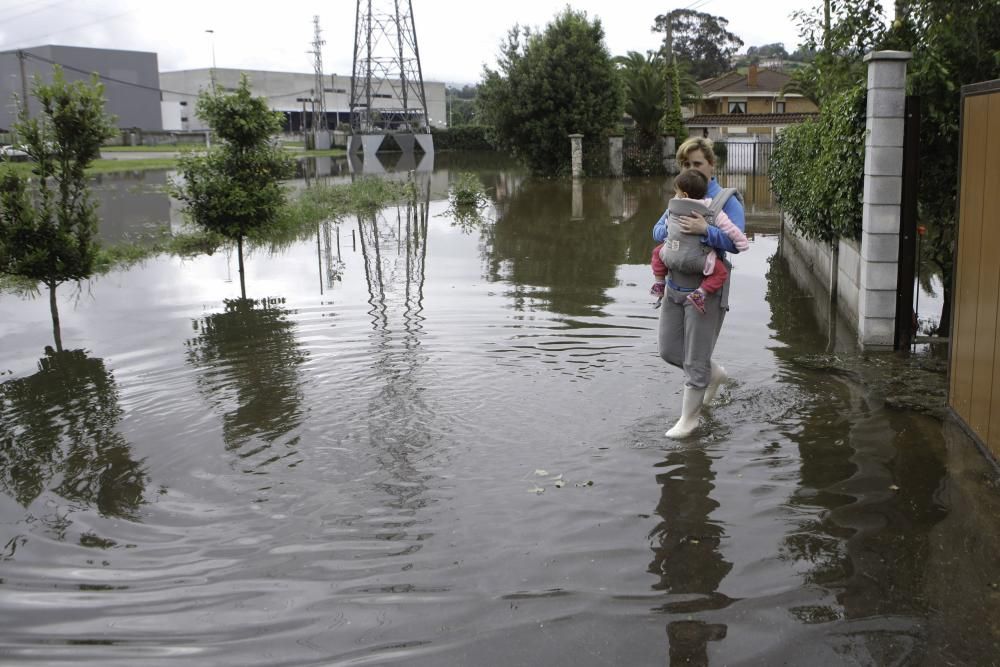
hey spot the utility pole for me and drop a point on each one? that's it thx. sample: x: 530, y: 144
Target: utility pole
x: 670, y: 59
x: 25, y: 112
x: 826, y: 26
x: 212, y: 38
x: 319, y: 114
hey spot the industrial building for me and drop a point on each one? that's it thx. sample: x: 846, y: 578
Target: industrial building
x: 292, y: 93
x: 131, y: 80
x: 141, y: 97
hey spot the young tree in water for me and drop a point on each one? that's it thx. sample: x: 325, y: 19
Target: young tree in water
x: 235, y: 188
x: 47, y: 230
x: 549, y: 85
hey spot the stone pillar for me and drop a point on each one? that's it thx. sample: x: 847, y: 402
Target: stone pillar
x: 670, y: 154
x: 883, y: 188
x: 576, y: 154
x: 577, y: 210
x: 615, y: 156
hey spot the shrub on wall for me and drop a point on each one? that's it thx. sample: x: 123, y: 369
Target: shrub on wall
x: 817, y: 169
x: 462, y: 138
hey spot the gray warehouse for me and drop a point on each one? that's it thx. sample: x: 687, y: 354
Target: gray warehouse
x: 131, y: 80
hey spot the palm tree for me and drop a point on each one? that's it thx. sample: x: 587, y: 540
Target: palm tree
x: 644, y: 92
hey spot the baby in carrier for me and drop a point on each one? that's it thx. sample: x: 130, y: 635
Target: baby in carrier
x: 685, y: 253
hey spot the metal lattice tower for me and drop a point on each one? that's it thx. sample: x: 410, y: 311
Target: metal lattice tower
x: 387, y: 89
x: 319, y: 94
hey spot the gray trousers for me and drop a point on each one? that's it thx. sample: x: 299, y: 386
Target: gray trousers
x: 687, y: 338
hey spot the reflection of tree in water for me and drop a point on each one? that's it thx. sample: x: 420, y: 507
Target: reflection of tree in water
x: 535, y: 243
x: 250, y: 358
x: 858, y: 535
x: 59, y: 432
x: 394, y: 249
x: 686, y: 552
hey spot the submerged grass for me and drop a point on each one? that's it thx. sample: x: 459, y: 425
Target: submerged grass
x: 298, y: 220
x: 112, y: 165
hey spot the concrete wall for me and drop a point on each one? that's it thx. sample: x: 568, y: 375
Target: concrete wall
x: 131, y: 81
x: 285, y: 92
x: 867, y: 272
x: 817, y: 258
x: 809, y: 263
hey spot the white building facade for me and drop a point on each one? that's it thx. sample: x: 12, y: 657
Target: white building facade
x: 292, y: 93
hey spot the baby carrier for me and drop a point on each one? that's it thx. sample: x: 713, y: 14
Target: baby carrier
x: 684, y: 254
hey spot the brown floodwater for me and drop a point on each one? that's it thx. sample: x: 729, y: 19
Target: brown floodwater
x: 431, y: 441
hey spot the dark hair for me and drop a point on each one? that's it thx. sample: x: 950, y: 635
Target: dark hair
x: 692, y: 182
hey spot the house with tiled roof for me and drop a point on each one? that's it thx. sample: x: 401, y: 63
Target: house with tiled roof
x: 751, y: 105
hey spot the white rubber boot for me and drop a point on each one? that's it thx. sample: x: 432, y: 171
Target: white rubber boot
x: 715, y: 381
x: 690, y: 409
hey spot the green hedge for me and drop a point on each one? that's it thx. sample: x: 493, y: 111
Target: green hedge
x: 461, y: 138
x: 817, y: 169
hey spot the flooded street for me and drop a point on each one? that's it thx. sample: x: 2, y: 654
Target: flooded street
x: 428, y: 443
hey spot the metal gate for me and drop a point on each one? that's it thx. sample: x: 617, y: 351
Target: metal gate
x: 974, y: 364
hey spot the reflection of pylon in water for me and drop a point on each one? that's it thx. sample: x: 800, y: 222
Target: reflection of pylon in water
x: 394, y: 250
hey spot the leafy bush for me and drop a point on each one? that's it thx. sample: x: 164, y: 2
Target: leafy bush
x: 550, y: 85
x: 817, y: 169
x: 463, y: 138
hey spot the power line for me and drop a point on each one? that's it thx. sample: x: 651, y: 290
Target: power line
x: 33, y: 11
x: 109, y: 79
x: 35, y: 38
x: 103, y: 77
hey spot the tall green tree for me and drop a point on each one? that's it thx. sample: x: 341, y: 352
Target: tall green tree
x: 701, y: 40
x: 672, y: 123
x: 235, y: 188
x: 840, y: 33
x: 47, y: 230
x: 954, y: 43
x: 549, y: 85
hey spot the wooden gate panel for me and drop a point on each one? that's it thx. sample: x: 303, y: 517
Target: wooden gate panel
x: 970, y: 246
x: 983, y: 377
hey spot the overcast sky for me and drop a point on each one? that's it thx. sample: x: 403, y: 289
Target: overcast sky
x: 455, y: 38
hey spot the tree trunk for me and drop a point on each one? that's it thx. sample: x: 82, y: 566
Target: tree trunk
x: 944, y: 325
x: 243, y: 285
x: 54, y: 307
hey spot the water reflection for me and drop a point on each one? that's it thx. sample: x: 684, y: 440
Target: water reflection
x: 687, y: 557
x: 402, y: 427
x: 867, y: 500
x: 59, y: 434
x: 592, y: 235
x: 250, y: 358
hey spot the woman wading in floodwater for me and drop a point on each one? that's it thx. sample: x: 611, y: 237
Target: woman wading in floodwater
x: 686, y: 336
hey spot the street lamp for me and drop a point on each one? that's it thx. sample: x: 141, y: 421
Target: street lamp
x: 212, y: 37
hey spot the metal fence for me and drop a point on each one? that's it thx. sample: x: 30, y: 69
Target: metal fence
x: 745, y: 165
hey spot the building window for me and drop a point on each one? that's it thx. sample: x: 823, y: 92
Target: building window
x: 779, y: 107
x: 738, y: 106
